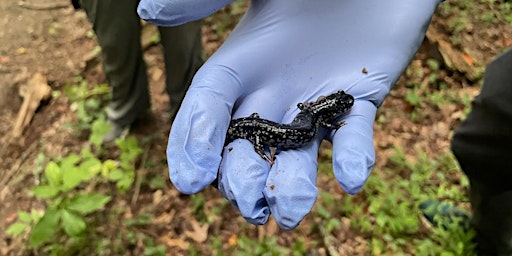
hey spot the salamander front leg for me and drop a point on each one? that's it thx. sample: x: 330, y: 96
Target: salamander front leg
x: 333, y: 126
x: 339, y: 124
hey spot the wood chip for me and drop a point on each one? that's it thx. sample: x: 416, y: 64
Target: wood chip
x: 33, y: 92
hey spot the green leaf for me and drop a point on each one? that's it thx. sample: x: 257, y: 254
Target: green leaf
x: 35, y: 215
x: 86, y: 203
x: 24, y: 217
x: 116, y: 175
x: 93, y: 103
x: 90, y: 167
x: 98, y: 129
x: 108, y: 166
x: 86, y: 153
x: 433, y: 64
x: 73, y: 224
x: 45, y: 191
x: 69, y: 162
x: 45, y: 228
x: 157, y: 182
x: 155, y: 250
x: 53, y: 174
x: 331, y: 224
x: 124, y: 183
x: 16, y: 228
x: 72, y: 178
x: 130, y: 149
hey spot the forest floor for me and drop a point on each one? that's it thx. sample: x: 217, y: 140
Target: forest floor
x: 46, y: 45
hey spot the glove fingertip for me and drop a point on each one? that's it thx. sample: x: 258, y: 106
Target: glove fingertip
x: 187, y: 176
x: 188, y: 183
x: 287, y: 224
x: 259, y: 215
x: 242, y: 176
x: 353, y: 151
x: 291, y: 189
x: 352, y: 169
x: 147, y: 10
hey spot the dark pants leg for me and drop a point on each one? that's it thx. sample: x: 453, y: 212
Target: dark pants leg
x: 118, y: 29
x: 483, y: 147
x: 183, y: 57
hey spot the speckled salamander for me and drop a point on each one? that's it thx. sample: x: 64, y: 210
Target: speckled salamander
x: 302, y: 130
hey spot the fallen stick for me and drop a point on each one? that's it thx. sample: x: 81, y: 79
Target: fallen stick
x: 33, y: 92
x: 43, y: 7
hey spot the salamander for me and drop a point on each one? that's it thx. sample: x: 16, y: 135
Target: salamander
x: 302, y: 130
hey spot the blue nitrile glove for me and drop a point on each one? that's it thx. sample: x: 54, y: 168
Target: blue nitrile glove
x: 282, y: 53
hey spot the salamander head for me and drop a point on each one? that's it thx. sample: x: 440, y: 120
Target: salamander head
x: 336, y: 103
x: 331, y: 107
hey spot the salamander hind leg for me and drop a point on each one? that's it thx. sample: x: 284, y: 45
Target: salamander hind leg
x: 261, y: 151
x: 262, y: 154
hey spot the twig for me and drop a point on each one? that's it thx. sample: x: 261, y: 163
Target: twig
x: 16, y: 167
x: 43, y: 7
x: 141, y: 172
x: 496, y: 13
x: 329, y: 240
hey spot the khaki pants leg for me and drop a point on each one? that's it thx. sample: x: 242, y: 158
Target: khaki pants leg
x: 118, y: 29
x: 183, y: 57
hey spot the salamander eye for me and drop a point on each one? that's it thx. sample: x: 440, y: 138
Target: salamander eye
x: 300, y: 106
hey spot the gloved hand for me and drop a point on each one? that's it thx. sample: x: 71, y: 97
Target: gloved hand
x: 282, y: 53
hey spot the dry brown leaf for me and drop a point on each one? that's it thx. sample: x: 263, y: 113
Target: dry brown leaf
x: 457, y: 115
x: 128, y: 214
x: 199, y: 233
x: 464, y: 60
x: 468, y: 59
x: 233, y: 240
x: 157, y: 197
x: 165, y: 218
x: 157, y: 74
x: 174, y: 242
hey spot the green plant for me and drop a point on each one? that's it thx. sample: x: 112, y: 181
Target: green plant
x: 87, y: 102
x: 198, y: 208
x: 154, y: 250
x: 453, y: 232
x: 413, y: 97
x: 134, y: 235
x: 66, y: 210
x: 390, y: 212
x: 215, y: 246
x: 65, y: 187
x: 98, y: 128
x: 268, y: 246
x: 123, y: 171
x: 25, y: 220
